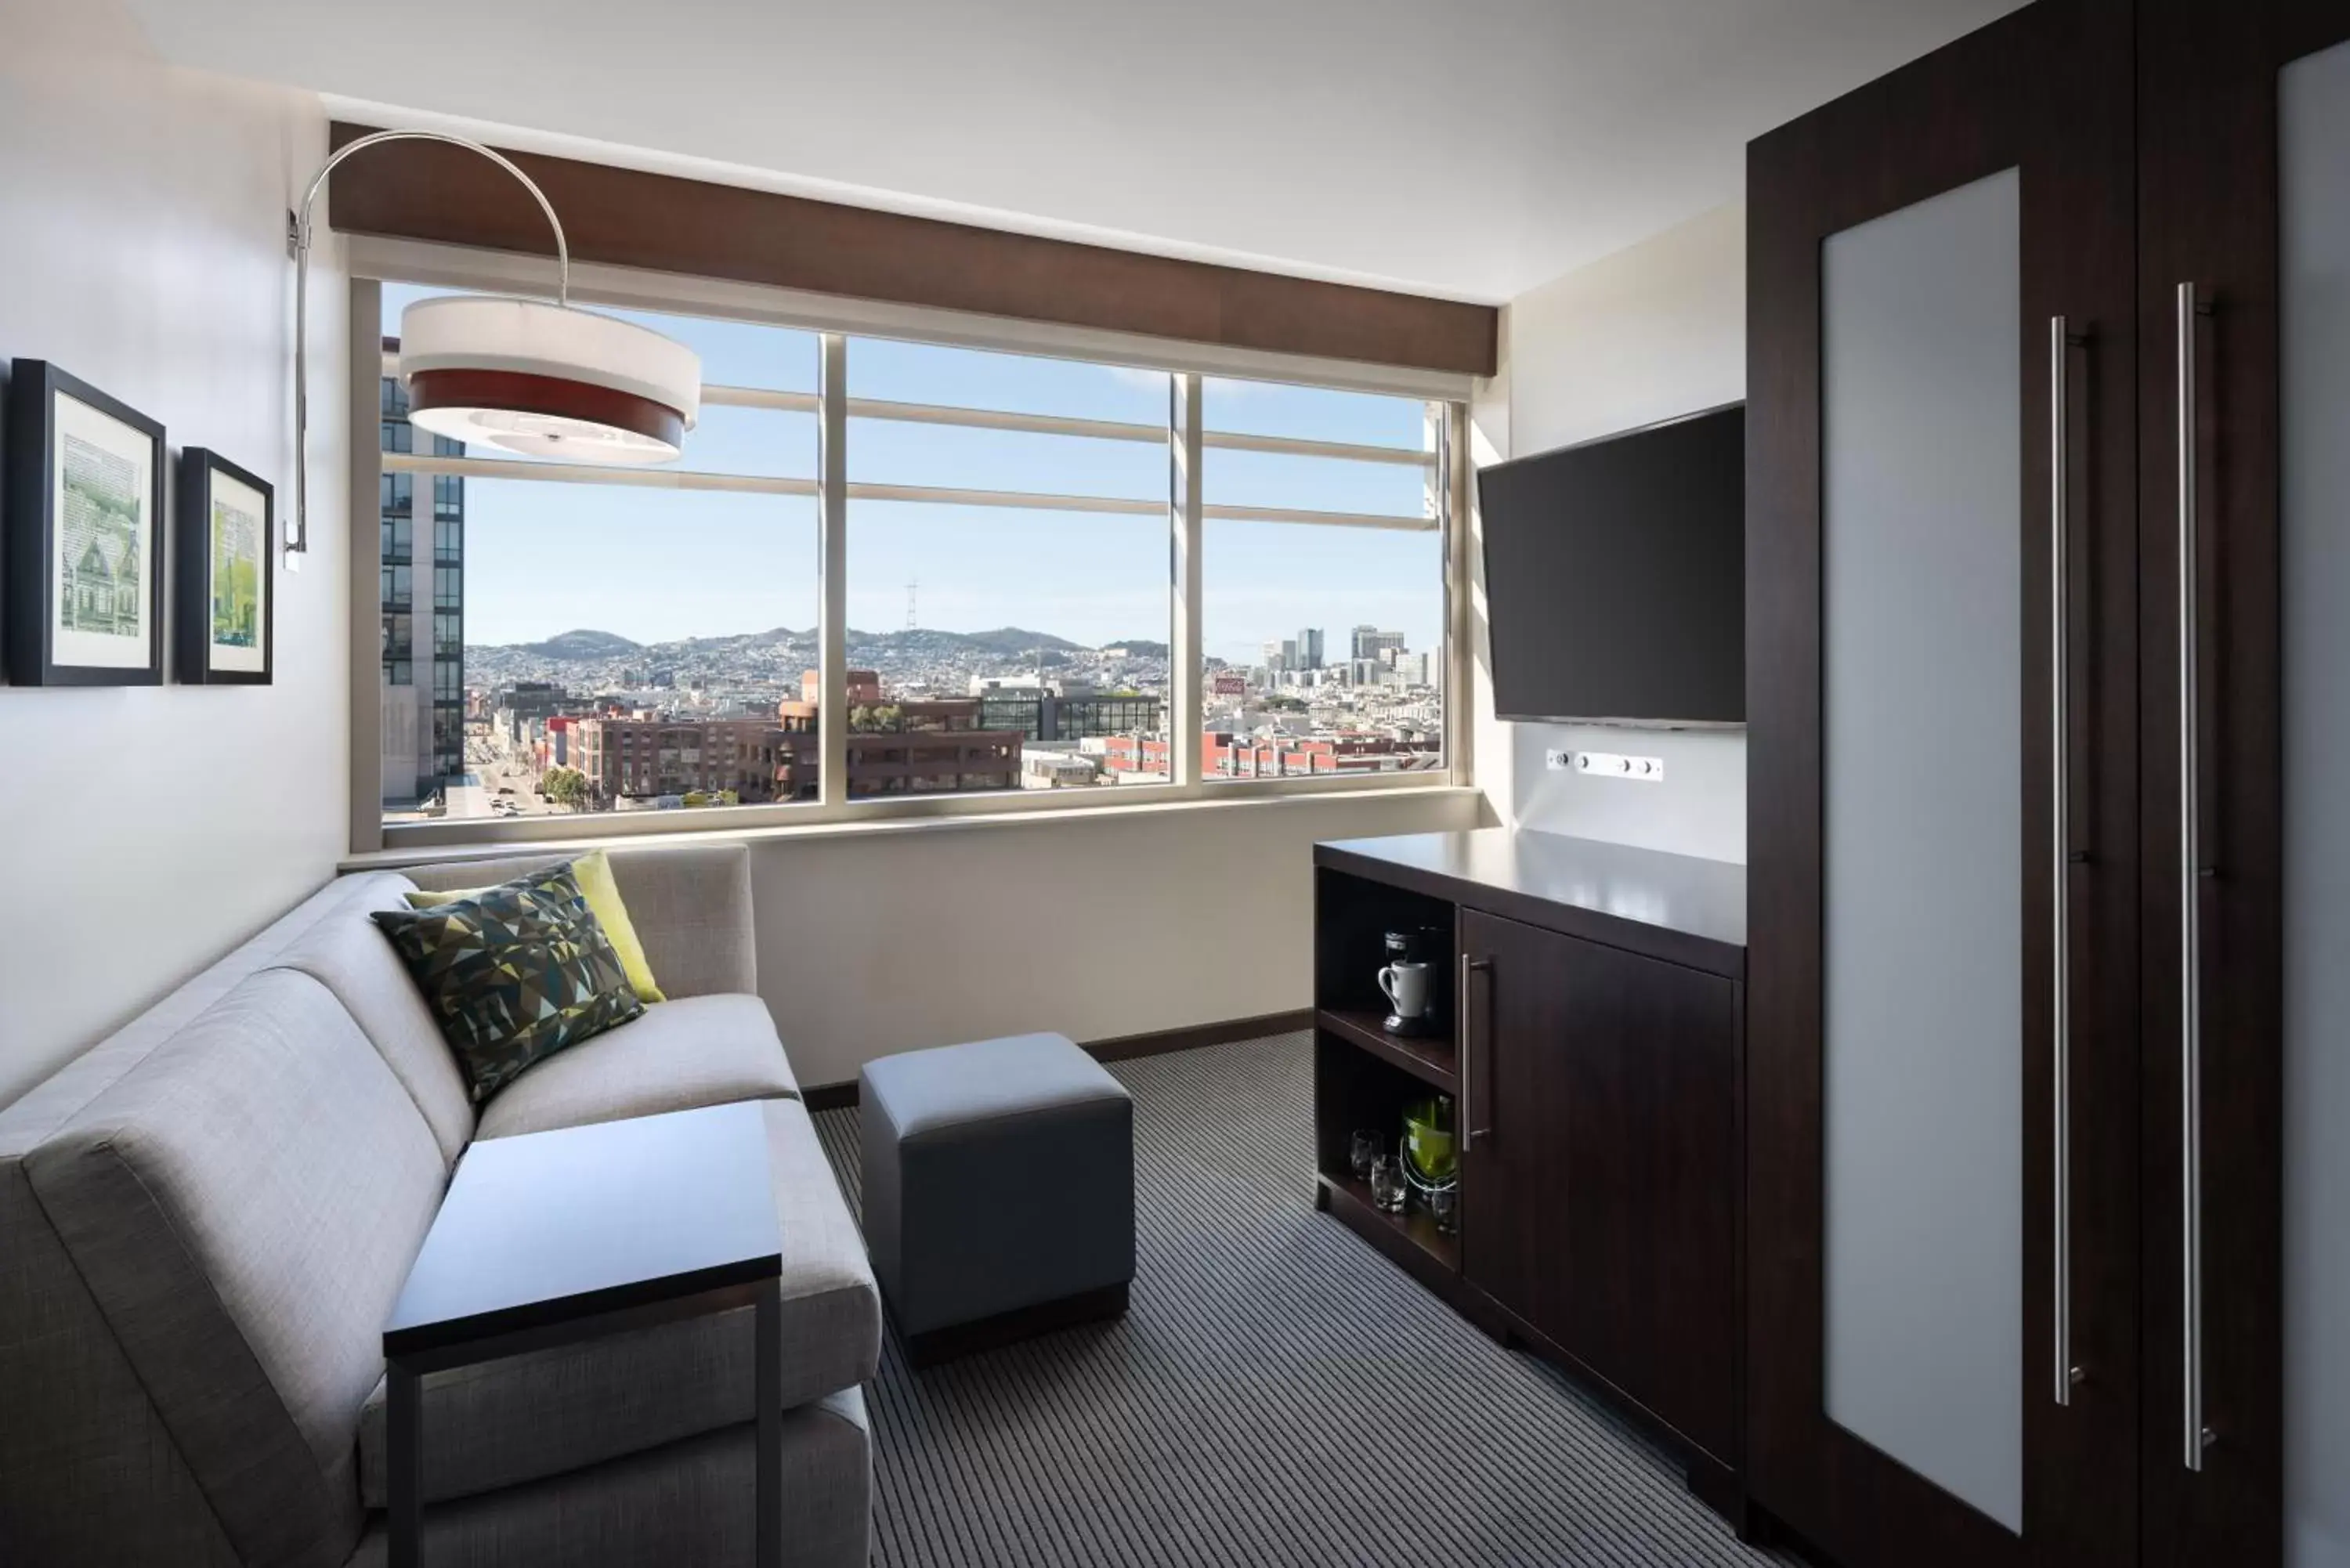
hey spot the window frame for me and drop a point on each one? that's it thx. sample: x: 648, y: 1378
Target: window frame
x: 834, y: 321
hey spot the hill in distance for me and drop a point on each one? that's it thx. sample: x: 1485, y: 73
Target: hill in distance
x: 1008, y: 641
x: 581, y: 644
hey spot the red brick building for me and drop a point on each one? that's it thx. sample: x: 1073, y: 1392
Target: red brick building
x: 646, y: 758
x: 1223, y: 755
x: 895, y: 747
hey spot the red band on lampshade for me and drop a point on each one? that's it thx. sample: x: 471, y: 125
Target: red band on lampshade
x: 550, y: 396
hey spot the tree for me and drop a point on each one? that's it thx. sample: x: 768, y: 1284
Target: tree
x: 566, y: 787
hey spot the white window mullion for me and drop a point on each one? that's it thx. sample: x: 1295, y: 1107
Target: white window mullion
x: 1459, y: 726
x: 1185, y: 516
x: 832, y: 571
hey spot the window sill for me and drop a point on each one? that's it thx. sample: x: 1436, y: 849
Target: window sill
x: 424, y: 844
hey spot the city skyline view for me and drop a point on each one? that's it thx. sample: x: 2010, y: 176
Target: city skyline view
x: 658, y: 565
x: 642, y: 641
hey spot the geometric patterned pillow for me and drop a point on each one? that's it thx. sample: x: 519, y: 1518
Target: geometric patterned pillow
x: 513, y: 975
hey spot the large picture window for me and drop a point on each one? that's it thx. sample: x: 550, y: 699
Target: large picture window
x: 1323, y: 642
x: 560, y: 641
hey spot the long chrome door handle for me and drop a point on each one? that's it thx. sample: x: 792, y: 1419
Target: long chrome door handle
x: 2194, y: 1436
x: 2060, y: 344
x: 1470, y: 969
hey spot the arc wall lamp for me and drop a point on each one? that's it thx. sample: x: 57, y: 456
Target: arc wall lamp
x: 544, y: 379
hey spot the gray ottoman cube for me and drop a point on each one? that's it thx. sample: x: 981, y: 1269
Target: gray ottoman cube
x: 998, y: 1191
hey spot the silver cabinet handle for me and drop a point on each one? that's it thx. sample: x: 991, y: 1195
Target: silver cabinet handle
x: 1470, y: 969
x: 2195, y: 1436
x: 2060, y: 343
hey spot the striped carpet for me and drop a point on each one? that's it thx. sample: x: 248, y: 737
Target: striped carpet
x: 1278, y: 1393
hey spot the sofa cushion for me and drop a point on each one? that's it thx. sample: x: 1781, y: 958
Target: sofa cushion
x: 691, y: 905
x: 549, y: 1411
x: 593, y: 871
x: 244, y: 1204
x: 513, y: 974
x: 348, y: 956
x: 64, y: 1477
x: 698, y: 1050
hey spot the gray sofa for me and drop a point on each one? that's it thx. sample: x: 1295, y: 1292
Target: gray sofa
x: 206, y: 1219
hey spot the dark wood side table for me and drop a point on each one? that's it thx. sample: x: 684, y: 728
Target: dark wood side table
x: 552, y: 1238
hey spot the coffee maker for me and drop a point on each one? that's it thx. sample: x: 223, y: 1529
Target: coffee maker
x: 1412, y: 980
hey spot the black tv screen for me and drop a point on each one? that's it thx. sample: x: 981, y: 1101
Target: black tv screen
x: 1615, y: 576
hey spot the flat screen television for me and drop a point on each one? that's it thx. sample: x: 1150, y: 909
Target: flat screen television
x: 1615, y: 576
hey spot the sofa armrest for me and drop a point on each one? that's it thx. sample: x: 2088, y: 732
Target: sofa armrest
x: 691, y: 905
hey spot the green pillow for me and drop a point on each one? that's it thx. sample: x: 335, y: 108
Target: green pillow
x: 595, y: 874
x: 513, y: 975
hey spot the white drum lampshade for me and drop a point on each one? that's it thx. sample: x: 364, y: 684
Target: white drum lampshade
x: 536, y: 378
x: 547, y: 381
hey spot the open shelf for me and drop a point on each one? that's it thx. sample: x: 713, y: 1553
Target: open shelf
x: 1427, y: 1057
x: 1350, y: 1200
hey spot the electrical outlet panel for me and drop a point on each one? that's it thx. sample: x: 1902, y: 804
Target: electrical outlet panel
x: 1611, y: 765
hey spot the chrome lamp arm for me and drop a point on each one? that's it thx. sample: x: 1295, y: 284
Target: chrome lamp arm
x: 298, y: 541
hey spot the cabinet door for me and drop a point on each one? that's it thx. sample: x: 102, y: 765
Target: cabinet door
x: 1604, y: 1168
x: 2244, y: 400
x: 1515, y: 1015
x: 1942, y: 1196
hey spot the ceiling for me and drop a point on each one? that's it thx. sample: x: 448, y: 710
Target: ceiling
x: 1466, y: 148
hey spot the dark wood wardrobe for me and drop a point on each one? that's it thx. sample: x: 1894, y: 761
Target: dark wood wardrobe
x: 2048, y: 367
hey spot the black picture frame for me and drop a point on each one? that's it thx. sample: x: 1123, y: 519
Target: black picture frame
x: 48, y: 407
x: 199, y: 657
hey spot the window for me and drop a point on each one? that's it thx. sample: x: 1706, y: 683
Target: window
x: 564, y: 616
x: 648, y: 640
x: 1322, y: 642
x: 990, y: 612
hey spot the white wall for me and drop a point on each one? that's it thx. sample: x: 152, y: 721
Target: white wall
x: 1651, y: 332
x: 143, y: 217
x: 1111, y: 924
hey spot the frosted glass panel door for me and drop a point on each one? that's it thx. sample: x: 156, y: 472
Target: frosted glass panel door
x: 2313, y: 119
x: 1923, y: 837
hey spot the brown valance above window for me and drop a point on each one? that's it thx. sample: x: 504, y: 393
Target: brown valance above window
x: 625, y: 217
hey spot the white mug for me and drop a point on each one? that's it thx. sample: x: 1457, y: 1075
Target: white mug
x: 1406, y: 988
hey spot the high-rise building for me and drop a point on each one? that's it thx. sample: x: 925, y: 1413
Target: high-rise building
x: 1310, y: 649
x: 1369, y: 642
x: 422, y: 555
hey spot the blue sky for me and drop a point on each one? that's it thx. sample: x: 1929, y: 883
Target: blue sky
x: 656, y: 565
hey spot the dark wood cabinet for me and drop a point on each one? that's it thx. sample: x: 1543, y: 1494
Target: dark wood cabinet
x: 1604, y: 1155
x: 2042, y: 98
x: 2218, y: 176
x: 1516, y: 1028
x: 1597, y: 1093
x: 2155, y: 768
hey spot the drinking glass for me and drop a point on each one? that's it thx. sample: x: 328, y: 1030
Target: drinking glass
x: 1365, y: 1154
x: 1444, y: 1208
x: 1387, y: 1187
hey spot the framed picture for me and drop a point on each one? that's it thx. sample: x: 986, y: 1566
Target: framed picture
x: 225, y: 598
x: 84, y: 547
